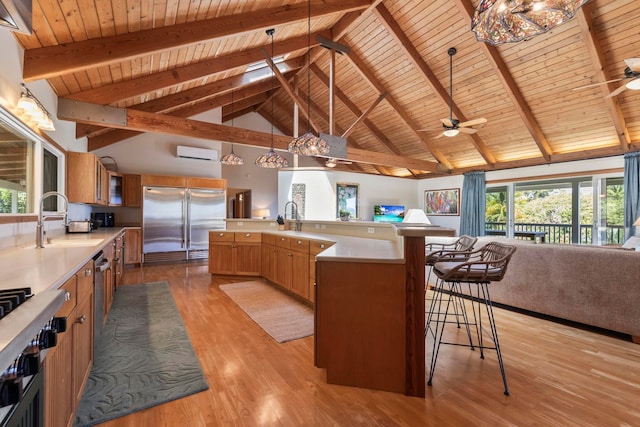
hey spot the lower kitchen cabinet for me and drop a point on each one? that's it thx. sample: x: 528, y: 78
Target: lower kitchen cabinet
x: 234, y: 253
x: 269, y: 259
x: 67, y: 365
x: 118, y: 260
x: 293, y: 265
x: 133, y: 249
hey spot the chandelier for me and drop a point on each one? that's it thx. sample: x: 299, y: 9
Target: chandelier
x: 271, y: 159
x: 33, y: 111
x: 308, y: 144
x: 232, y: 159
x: 506, y: 21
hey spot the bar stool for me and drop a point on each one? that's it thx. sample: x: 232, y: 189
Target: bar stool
x: 480, y: 268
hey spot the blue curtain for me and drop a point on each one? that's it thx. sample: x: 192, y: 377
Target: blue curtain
x: 631, y: 191
x: 472, y: 212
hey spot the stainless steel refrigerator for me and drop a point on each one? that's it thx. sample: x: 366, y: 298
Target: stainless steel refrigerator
x: 176, y: 222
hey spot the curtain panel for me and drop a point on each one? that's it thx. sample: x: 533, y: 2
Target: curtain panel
x: 472, y: 212
x: 631, y: 191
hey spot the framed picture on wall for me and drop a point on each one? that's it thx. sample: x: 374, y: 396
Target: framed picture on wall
x: 442, y: 202
x: 347, y: 200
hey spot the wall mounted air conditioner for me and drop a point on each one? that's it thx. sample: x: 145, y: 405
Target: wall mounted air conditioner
x: 15, y: 15
x: 196, y: 153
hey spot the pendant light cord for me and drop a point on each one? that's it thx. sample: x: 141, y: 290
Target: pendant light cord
x: 309, y: 67
x: 272, y: 92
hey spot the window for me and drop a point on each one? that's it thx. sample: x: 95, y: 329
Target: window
x: 585, y: 210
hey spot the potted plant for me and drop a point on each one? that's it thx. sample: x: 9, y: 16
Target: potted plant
x: 344, y: 215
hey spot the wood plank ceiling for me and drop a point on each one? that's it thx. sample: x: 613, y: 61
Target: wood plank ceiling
x: 167, y: 60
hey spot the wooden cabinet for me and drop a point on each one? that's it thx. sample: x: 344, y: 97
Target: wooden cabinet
x: 67, y: 365
x: 293, y: 265
x: 164, y: 181
x: 87, y: 179
x: 132, y: 190
x: 212, y: 183
x: 269, y: 260
x: 234, y: 253
x: 118, y: 259
x: 315, y: 247
x: 116, y: 189
x: 133, y: 247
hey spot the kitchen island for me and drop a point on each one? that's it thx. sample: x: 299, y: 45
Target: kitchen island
x: 369, y: 302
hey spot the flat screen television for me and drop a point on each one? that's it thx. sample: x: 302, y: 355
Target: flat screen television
x: 388, y: 213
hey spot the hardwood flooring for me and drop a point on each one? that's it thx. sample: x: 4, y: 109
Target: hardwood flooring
x: 558, y: 375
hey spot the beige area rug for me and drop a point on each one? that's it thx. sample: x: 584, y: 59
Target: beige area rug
x: 280, y: 315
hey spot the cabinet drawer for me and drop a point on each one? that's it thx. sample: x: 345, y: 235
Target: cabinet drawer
x: 220, y: 236
x: 70, y: 297
x: 85, y: 281
x: 282, y: 242
x: 269, y: 239
x: 248, y: 237
x: 317, y: 246
x: 299, y: 245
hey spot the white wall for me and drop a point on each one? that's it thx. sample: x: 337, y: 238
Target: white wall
x: 320, y: 186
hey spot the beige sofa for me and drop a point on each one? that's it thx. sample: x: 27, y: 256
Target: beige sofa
x: 597, y: 286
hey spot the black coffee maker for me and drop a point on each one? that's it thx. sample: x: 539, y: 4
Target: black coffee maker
x: 107, y: 218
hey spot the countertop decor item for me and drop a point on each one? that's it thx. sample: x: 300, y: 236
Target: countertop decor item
x: 506, y: 21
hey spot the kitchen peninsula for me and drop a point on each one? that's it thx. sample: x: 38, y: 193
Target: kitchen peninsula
x: 369, y: 300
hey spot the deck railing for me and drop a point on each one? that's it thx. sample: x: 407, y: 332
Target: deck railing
x: 563, y: 233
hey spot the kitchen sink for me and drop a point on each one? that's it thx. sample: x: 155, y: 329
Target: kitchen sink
x: 71, y: 243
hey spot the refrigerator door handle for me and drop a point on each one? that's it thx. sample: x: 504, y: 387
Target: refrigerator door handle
x: 185, y: 218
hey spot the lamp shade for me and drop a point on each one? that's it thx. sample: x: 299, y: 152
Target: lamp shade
x: 309, y: 145
x: 271, y: 159
x: 416, y: 216
x: 507, y: 21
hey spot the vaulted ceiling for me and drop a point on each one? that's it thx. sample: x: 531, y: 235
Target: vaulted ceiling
x: 163, y: 61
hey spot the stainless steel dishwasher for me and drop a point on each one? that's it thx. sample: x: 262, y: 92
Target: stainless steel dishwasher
x: 101, y: 265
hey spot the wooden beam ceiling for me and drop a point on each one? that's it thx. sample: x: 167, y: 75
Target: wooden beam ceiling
x: 52, y: 61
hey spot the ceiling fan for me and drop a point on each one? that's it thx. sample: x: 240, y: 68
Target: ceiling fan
x: 332, y: 162
x: 631, y: 73
x: 453, y: 126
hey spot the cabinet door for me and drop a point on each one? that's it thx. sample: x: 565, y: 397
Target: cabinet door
x: 118, y: 261
x: 247, y: 258
x: 83, y: 175
x: 269, y: 261
x: 283, y: 267
x: 300, y: 273
x: 221, y: 258
x: 132, y: 192
x: 83, y: 345
x: 116, y: 189
x: 58, y: 369
x: 103, y: 191
x: 133, y: 248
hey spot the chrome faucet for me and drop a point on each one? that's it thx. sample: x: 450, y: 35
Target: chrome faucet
x: 296, y: 217
x: 41, y: 217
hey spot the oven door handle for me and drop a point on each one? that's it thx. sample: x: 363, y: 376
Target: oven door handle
x: 103, y: 266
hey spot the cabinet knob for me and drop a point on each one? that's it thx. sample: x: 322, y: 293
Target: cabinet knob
x: 322, y: 246
x: 248, y: 235
x: 221, y: 234
x: 67, y: 296
x: 87, y: 272
x: 299, y: 242
x: 82, y: 319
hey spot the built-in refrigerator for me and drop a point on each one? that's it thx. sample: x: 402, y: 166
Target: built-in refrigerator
x: 176, y: 222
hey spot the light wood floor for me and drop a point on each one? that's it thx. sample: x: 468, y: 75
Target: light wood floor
x: 558, y: 375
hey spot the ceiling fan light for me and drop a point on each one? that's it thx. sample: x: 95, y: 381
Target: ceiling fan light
x: 634, y: 84
x: 451, y: 132
x: 331, y: 163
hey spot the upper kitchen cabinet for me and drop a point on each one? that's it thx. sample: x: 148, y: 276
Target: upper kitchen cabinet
x: 116, y: 189
x: 212, y: 183
x: 133, y: 190
x: 87, y: 179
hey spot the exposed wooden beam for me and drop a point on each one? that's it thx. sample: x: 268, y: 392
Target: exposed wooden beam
x: 52, y: 61
x: 292, y: 93
x: 363, y: 116
x: 141, y: 121
x: 379, y: 87
x: 511, y: 88
x: 602, y: 73
x: 213, y: 91
x: 127, y: 89
x: 414, y: 56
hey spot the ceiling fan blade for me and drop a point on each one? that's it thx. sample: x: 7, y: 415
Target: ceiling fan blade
x: 440, y: 135
x: 633, y: 64
x: 616, y: 92
x: 447, y: 122
x: 473, y: 122
x: 467, y: 130
x: 598, y: 84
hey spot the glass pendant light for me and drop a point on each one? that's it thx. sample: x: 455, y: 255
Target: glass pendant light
x: 308, y: 144
x: 232, y: 159
x: 271, y: 159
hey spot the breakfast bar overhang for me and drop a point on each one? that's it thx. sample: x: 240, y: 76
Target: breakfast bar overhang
x: 369, y: 325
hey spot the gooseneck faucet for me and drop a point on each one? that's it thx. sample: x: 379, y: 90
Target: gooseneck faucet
x: 42, y: 216
x: 294, y: 214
